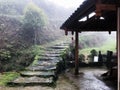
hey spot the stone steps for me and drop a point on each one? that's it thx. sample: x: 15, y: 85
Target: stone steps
x: 58, y: 53
x: 58, y: 47
x: 49, y: 55
x: 63, y: 44
x: 46, y: 63
x: 52, y: 60
x: 44, y: 71
x: 38, y: 73
x: 30, y: 81
x: 41, y: 68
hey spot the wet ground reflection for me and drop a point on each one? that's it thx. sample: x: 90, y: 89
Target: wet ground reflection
x: 87, y: 79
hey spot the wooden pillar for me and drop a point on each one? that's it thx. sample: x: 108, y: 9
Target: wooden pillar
x: 118, y: 31
x: 118, y: 41
x: 76, y: 53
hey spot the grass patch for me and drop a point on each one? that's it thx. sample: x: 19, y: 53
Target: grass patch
x: 36, y: 51
x: 7, y: 76
x: 36, y: 58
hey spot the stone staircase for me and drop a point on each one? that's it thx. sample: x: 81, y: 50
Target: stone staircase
x: 44, y: 72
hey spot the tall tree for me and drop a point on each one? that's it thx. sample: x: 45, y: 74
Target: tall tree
x: 34, y: 20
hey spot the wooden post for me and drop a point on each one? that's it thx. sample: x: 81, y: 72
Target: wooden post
x: 76, y: 53
x: 118, y: 30
x: 118, y: 41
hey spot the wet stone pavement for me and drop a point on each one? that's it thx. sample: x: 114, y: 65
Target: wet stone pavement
x: 88, y: 79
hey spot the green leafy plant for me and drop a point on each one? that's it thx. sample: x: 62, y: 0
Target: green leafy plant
x: 81, y: 57
x: 4, y: 54
x: 93, y: 53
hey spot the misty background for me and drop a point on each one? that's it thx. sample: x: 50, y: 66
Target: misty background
x: 18, y: 36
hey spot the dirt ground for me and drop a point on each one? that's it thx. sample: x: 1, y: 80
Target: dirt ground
x: 86, y: 80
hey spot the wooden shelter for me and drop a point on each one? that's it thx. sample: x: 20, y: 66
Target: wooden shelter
x: 94, y: 15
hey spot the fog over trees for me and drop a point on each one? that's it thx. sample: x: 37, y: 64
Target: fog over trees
x: 25, y: 24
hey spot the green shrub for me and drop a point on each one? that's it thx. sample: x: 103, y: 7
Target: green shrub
x: 5, y: 54
x: 93, y: 53
x: 18, y: 60
x: 81, y: 57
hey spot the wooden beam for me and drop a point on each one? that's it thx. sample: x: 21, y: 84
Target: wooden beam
x: 104, y: 7
x: 80, y: 13
x: 76, y: 53
x: 108, y: 7
x: 95, y: 30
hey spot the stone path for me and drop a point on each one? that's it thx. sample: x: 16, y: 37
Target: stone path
x: 44, y: 72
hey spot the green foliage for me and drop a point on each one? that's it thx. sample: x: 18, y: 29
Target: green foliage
x: 81, y: 57
x: 91, y: 40
x: 108, y: 45
x: 93, y: 52
x: 34, y: 16
x: 18, y: 60
x: 4, y: 54
x: 6, y: 77
x: 36, y: 58
x: 64, y: 54
x: 34, y: 51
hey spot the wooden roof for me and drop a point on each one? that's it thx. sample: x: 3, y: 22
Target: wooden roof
x: 94, y: 23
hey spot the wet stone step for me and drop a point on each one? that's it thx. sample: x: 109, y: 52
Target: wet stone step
x: 54, y: 59
x: 55, y: 52
x: 49, y: 55
x: 63, y: 44
x: 46, y: 63
x: 59, y: 52
x: 58, y: 47
x: 48, y: 49
x: 46, y: 58
x: 41, y: 68
x: 24, y: 81
x: 52, y: 52
x: 37, y: 73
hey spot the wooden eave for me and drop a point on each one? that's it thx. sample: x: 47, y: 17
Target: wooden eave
x: 93, y: 23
